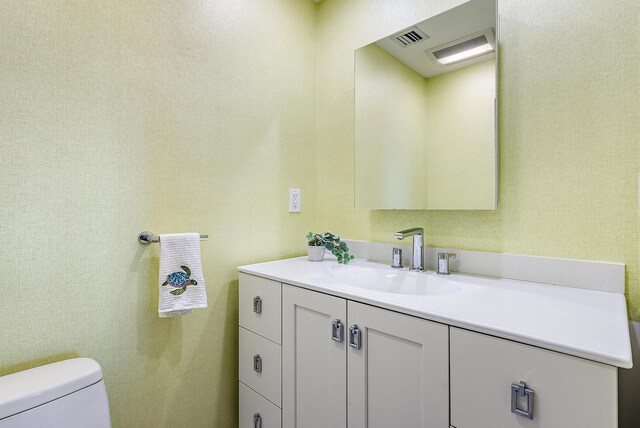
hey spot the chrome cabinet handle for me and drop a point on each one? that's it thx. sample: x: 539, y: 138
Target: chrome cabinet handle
x: 257, y: 420
x: 337, y: 331
x: 257, y: 363
x: 355, y: 337
x: 522, y: 391
x: 257, y: 305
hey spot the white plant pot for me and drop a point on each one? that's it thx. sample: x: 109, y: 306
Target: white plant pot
x: 316, y: 254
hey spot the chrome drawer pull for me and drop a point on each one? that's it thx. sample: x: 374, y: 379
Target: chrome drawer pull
x: 355, y: 337
x: 257, y: 420
x: 522, y: 391
x: 257, y: 363
x: 337, y: 331
x: 257, y: 305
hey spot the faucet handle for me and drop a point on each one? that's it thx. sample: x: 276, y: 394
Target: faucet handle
x: 443, y: 263
x: 396, y: 259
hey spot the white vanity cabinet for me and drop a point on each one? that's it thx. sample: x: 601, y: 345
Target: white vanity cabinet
x: 391, y: 369
x: 565, y: 391
x: 313, y: 359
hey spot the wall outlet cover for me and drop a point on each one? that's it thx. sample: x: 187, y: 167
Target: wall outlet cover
x: 295, y: 203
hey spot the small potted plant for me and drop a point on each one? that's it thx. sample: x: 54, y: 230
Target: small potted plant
x: 317, y: 244
x: 315, y: 248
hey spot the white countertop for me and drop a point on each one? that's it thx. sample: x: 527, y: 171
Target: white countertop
x: 584, y: 323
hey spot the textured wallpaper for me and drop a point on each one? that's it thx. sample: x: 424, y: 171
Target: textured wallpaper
x: 570, y: 134
x: 390, y: 131
x: 460, y: 157
x: 174, y: 116
x: 117, y: 117
x: 410, y: 131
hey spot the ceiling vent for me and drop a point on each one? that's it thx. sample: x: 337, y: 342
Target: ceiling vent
x: 409, y: 37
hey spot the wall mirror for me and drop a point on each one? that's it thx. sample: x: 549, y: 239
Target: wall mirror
x: 426, y: 115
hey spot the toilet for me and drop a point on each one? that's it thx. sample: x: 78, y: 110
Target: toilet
x: 69, y: 394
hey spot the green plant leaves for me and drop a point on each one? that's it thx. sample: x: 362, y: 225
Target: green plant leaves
x: 331, y: 242
x: 314, y: 240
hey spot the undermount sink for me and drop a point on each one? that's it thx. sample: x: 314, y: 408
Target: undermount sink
x: 397, y: 281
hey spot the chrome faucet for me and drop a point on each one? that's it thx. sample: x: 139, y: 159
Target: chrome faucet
x: 417, y: 259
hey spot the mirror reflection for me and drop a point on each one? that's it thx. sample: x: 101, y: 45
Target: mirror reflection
x: 425, y: 114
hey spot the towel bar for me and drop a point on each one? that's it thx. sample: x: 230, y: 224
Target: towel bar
x: 146, y: 238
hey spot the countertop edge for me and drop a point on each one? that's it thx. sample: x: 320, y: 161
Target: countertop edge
x: 622, y: 361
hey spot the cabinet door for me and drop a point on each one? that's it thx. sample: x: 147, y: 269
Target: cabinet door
x: 314, y: 365
x: 567, y: 391
x: 399, y: 376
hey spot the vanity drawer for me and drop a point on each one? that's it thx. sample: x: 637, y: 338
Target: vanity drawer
x: 256, y: 411
x: 567, y: 391
x: 260, y: 365
x: 259, y: 307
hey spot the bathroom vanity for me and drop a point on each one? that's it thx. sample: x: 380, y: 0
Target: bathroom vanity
x: 327, y: 345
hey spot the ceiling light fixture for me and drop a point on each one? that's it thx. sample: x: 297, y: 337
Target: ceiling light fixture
x: 467, y: 48
x: 470, y: 53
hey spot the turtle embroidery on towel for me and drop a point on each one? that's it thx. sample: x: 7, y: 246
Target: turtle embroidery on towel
x: 180, y: 281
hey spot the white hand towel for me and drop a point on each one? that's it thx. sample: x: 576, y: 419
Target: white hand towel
x: 181, y: 281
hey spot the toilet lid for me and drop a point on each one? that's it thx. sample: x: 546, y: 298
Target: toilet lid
x: 31, y: 388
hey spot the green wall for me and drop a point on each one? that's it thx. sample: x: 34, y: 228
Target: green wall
x: 462, y: 120
x: 120, y: 116
x: 410, y: 131
x: 391, y: 116
x: 198, y: 116
x: 569, y: 125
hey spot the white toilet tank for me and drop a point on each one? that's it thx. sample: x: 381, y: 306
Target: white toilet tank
x: 69, y: 394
